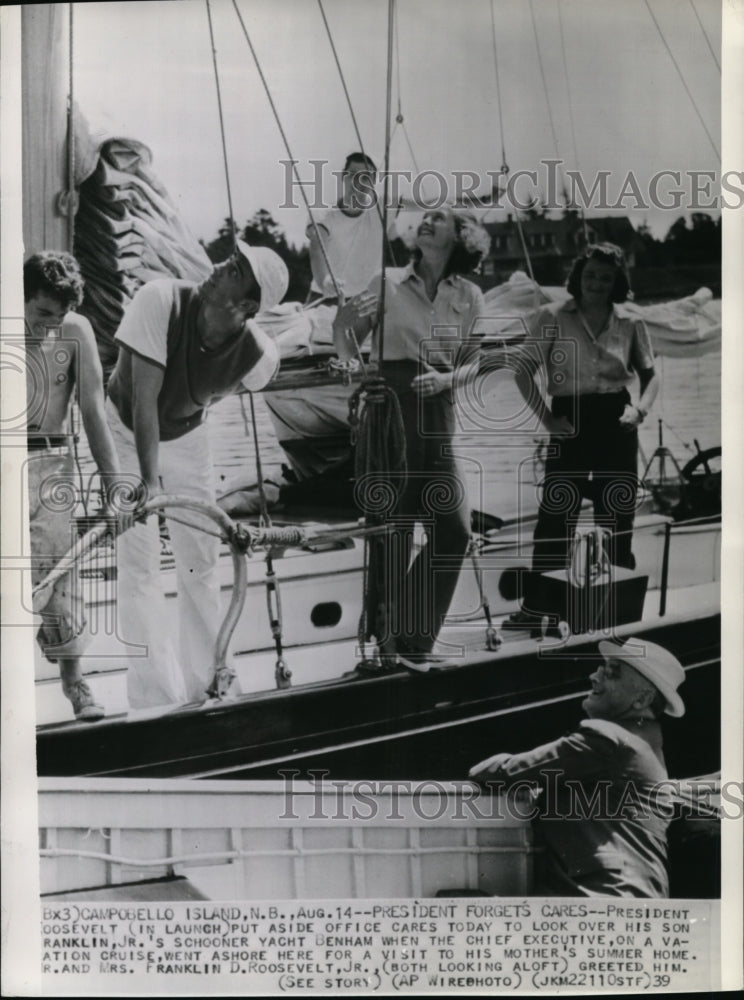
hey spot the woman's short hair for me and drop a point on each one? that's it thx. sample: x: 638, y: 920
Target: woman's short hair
x: 54, y: 274
x: 608, y: 253
x: 472, y: 244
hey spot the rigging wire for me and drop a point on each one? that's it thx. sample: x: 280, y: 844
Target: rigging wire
x: 265, y: 518
x: 386, y: 180
x: 504, y: 164
x: 292, y: 160
x: 341, y: 75
x: 379, y: 438
x: 71, y: 207
x: 571, y: 115
x: 259, y: 472
x: 70, y: 141
x: 399, y: 119
x: 397, y: 63
x: 544, y: 82
x: 222, y: 126
x: 705, y: 35
x: 684, y: 82
x: 385, y: 236
x: 527, y: 259
x: 495, y: 188
x: 410, y: 148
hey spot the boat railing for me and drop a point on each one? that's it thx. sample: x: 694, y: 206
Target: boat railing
x: 241, y: 539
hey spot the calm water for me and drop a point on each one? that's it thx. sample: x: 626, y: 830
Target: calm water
x: 496, y: 458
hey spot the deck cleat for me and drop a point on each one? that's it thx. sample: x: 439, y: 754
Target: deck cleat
x: 223, y: 687
x: 493, y: 639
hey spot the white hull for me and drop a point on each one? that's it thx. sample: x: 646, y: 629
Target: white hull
x: 269, y: 840
x: 321, y: 600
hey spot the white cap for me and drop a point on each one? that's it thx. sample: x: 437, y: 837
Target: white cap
x: 655, y: 663
x: 270, y: 271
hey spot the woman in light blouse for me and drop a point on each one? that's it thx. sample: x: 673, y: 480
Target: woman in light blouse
x: 589, y: 350
x: 430, y: 351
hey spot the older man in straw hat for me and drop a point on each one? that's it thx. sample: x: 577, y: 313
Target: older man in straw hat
x: 182, y: 347
x: 604, y: 811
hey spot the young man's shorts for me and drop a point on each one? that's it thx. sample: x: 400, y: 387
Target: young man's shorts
x: 51, y: 486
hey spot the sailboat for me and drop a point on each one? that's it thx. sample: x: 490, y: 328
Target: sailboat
x: 306, y: 702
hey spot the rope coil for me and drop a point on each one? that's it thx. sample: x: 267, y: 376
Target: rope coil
x: 378, y: 432
x: 377, y: 429
x: 250, y: 537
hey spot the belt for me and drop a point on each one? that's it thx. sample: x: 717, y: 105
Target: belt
x: 55, y: 444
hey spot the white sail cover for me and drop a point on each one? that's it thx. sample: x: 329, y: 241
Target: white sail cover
x: 688, y: 327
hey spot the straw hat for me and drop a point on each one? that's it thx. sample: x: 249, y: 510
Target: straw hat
x: 655, y: 663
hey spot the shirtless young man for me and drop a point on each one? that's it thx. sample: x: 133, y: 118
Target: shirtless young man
x: 62, y: 362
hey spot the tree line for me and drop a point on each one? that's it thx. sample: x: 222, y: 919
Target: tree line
x: 686, y: 244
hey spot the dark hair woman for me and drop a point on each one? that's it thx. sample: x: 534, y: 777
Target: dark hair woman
x: 589, y: 350
x: 431, y: 347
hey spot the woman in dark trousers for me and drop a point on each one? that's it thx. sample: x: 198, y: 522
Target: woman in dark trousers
x: 431, y: 349
x: 588, y: 352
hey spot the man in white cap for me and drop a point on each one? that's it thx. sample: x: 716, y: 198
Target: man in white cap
x: 605, y: 807
x: 182, y: 347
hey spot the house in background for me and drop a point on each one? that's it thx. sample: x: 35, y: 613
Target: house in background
x: 552, y: 245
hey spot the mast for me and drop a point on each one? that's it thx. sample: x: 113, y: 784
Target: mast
x: 44, y: 70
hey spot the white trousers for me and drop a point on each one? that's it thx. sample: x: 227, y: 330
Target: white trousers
x: 176, y: 667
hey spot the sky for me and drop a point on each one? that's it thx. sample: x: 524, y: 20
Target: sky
x: 145, y: 70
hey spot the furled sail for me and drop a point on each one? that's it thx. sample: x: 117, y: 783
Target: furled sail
x: 688, y: 327
x: 128, y: 232
x: 100, y: 187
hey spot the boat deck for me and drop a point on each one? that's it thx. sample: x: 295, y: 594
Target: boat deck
x: 463, y: 644
x: 353, y: 724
